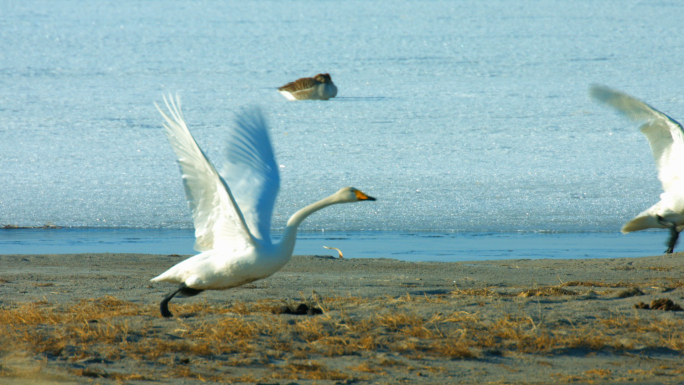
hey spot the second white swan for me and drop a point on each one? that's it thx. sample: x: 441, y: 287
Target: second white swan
x: 666, y: 138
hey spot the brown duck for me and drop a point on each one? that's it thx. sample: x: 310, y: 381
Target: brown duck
x: 319, y: 87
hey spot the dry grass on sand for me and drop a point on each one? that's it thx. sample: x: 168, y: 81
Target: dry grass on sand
x: 382, y: 322
x: 356, y: 339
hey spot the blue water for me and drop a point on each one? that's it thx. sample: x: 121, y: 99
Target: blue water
x: 461, y: 117
x: 407, y: 246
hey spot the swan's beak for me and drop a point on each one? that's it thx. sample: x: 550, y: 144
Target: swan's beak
x: 363, y: 197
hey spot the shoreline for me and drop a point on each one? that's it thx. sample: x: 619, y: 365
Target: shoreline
x: 404, y: 245
x: 514, y: 321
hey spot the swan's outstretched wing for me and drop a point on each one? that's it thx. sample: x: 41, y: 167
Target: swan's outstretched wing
x: 664, y: 134
x: 218, y: 221
x: 251, y: 171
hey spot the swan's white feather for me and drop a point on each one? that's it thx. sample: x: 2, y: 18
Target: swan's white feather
x: 219, y: 224
x: 251, y: 171
x: 665, y: 135
x: 666, y: 139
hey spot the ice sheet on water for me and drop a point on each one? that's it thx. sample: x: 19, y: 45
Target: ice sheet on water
x: 457, y: 115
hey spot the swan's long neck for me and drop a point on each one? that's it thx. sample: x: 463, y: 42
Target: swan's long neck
x: 290, y: 235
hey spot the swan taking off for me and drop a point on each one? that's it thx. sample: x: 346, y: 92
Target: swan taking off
x: 232, y: 210
x: 666, y: 138
x: 319, y: 87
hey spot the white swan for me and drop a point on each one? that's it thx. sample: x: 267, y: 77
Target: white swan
x: 319, y: 87
x: 666, y: 138
x: 232, y: 211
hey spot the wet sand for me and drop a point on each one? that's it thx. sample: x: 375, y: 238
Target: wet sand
x: 383, y: 321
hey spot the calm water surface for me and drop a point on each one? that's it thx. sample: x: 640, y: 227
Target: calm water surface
x: 407, y: 246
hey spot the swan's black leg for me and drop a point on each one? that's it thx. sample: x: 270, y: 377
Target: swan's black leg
x: 674, y: 234
x: 184, y: 292
x: 164, y: 307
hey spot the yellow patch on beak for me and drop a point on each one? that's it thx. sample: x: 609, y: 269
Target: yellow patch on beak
x: 363, y: 197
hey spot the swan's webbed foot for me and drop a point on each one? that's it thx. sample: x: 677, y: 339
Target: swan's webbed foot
x: 184, y: 292
x: 674, y: 234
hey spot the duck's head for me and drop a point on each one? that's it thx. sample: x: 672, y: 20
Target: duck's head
x: 350, y: 194
x: 323, y: 78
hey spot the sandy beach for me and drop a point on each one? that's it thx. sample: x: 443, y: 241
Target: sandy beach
x: 95, y: 318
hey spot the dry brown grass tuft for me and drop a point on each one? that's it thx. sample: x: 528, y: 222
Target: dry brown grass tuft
x: 368, y: 368
x: 99, y: 373
x: 199, y: 308
x: 676, y: 283
x: 631, y: 292
x: 590, y: 376
x: 598, y: 284
x: 311, y: 370
x: 599, y: 372
x: 453, y: 348
x: 486, y: 292
x: 547, y: 291
x: 406, y: 323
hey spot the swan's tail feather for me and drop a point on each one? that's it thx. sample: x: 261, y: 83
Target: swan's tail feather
x: 166, y: 276
x: 158, y: 278
x: 641, y: 223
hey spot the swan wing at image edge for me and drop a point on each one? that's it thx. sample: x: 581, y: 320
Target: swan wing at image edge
x: 665, y: 135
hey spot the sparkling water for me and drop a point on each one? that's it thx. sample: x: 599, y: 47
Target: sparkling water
x: 463, y: 116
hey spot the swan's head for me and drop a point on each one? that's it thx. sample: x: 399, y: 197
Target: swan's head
x: 323, y: 78
x: 350, y: 194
